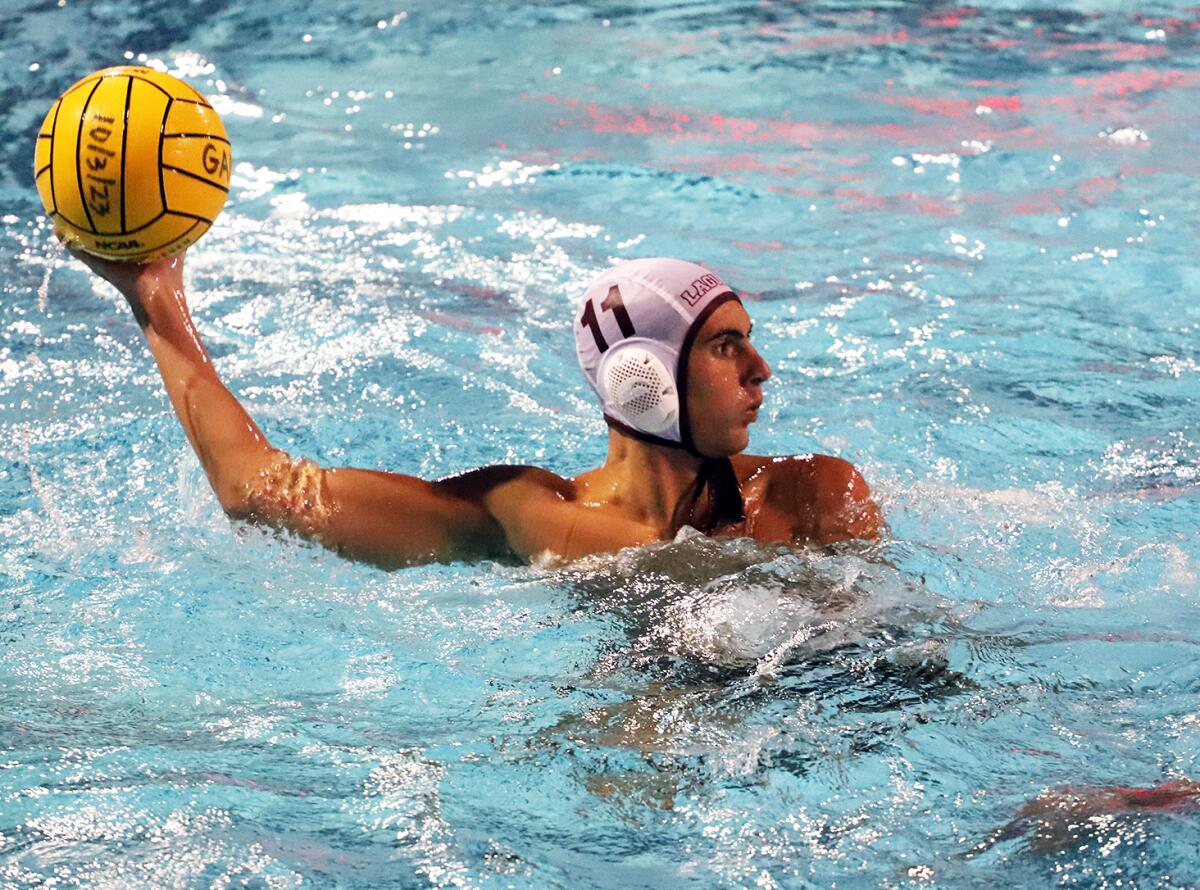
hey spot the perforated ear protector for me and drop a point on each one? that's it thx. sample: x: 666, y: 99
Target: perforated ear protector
x: 638, y: 386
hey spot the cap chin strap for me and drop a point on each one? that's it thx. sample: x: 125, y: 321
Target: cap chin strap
x: 724, y: 495
x: 716, y: 474
x: 635, y: 433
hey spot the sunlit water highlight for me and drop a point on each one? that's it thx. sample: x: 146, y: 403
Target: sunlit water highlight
x: 967, y: 239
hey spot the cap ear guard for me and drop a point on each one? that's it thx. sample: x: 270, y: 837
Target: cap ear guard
x: 638, y: 388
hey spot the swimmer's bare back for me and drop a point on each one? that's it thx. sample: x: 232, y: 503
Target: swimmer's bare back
x: 392, y: 519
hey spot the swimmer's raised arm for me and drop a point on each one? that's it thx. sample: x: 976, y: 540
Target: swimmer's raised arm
x: 386, y: 518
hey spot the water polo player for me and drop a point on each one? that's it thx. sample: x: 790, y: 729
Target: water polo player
x: 666, y: 346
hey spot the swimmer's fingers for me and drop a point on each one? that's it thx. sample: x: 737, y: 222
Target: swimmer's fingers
x: 115, y: 273
x: 137, y: 281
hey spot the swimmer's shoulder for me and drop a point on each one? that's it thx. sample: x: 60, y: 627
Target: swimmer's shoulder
x: 543, y: 514
x: 503, y: 483
x: 525, y: 502
x: 819, y: 498
x: 810, y: 473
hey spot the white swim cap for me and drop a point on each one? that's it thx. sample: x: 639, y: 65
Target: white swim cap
x: 632, y: 335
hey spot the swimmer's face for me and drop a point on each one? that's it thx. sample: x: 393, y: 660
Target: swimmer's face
x: 724, y: 383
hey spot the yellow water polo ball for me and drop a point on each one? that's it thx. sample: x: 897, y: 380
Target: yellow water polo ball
x: 132, y: 164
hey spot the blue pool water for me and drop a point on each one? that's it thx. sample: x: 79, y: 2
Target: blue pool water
x: 967, y: 237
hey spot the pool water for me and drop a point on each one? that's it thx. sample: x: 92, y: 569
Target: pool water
x: 967, y: 239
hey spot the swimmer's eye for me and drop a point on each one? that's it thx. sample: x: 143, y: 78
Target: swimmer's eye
x: 728, y: 342
x: 731, y: 345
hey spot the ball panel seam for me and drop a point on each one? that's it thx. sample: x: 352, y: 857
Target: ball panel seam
x: 87, y: 211
x: 195, y: 176
x: 124, y: 145
x: 196, y: 102
x: 196, y: 216
x: 152, y: 83
x: 166, y: 244
x: 212, y: 136
x: 53, y: 128
x: 162, y: 185
x: 145, y: 225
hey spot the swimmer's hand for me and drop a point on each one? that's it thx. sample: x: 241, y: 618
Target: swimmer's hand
x: 139, y: 283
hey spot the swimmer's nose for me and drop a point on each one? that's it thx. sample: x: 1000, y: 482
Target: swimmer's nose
x: 760, y: 371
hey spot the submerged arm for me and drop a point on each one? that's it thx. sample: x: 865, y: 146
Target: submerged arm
x: 385, y: 518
